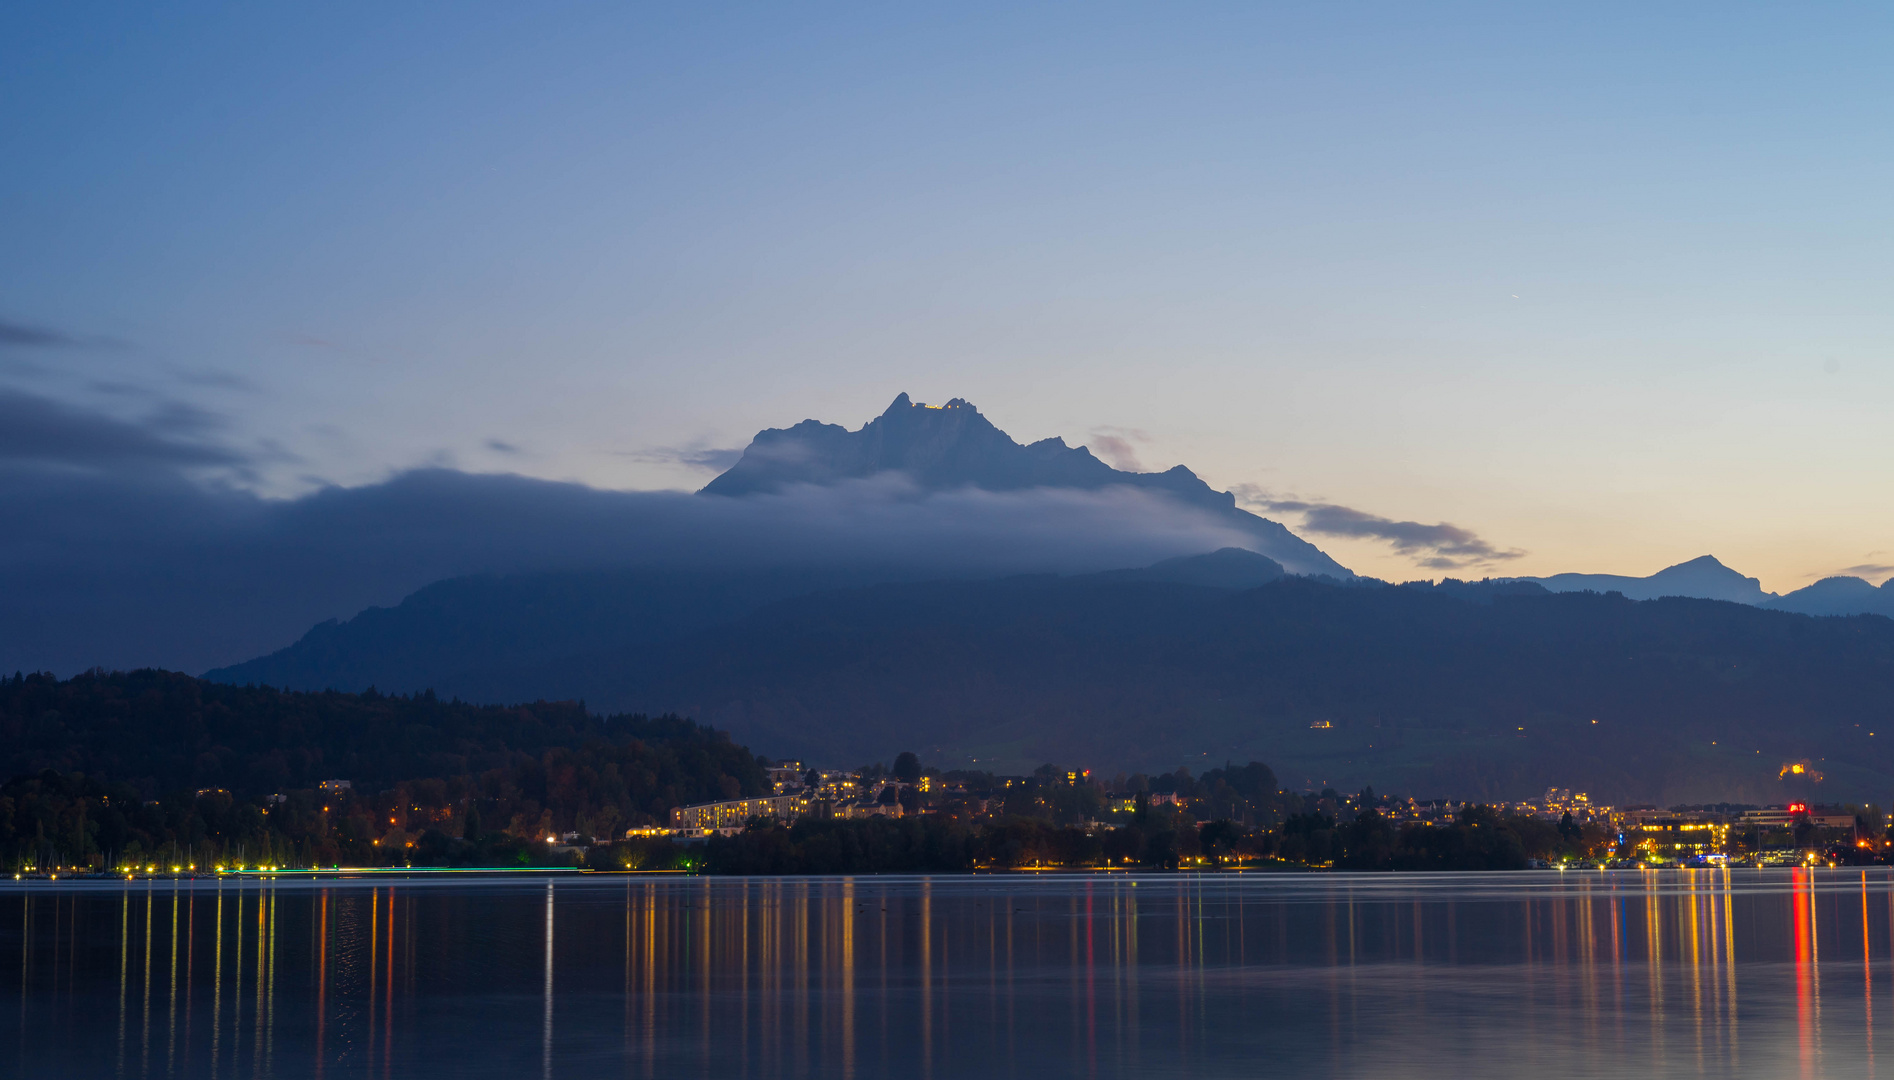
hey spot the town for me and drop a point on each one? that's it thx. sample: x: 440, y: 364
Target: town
x: 1561, y: 828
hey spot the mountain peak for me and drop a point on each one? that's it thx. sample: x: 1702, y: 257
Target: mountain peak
x: 1703, y: 577
x: 938, y: 446
x: 944, y: 447
x: 1701, y: 562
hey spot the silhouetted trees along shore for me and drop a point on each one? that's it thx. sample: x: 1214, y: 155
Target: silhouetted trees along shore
x: 159, y: 768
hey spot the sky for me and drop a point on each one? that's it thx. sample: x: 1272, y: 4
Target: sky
x: 1602, y: 288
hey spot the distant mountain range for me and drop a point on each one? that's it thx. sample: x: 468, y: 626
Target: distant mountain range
x: 1705, y: 578
x: 953, y: 445
x: 1705, y: 682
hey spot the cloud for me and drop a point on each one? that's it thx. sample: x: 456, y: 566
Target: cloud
x: 1117, y: 452
x: 697, y: 456
x: 20, y: 335
x: 1435, y: 547
x: 500, y: 446
x: 39, y: 431
x: 115, y: 551
x: 214, y: 379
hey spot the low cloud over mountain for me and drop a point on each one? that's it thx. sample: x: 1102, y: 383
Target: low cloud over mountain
x: 952, y: 447
x: 121, y: 547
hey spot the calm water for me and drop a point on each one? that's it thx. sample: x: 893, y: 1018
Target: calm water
x: 1750, y: 973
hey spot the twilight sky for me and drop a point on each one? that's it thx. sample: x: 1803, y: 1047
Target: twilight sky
x: 1608, y: 287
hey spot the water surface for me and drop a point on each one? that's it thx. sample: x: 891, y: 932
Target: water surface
x: 1704, y: 973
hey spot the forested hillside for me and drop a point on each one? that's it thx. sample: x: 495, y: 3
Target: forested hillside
x: 177, y: 768
x: 1456, y: 690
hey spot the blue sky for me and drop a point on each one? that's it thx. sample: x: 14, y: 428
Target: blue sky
x: 1605, y: 285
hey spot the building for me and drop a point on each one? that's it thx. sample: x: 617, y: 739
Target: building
x: 866, y: 808
x: 786, y: 776
x: 1558, y: 802
x: 1669, y: 834
x: 1773, y: 817
x: 1788, y: 817
x: 734, y: 813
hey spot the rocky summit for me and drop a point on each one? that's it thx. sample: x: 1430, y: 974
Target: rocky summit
x: 943, y: 447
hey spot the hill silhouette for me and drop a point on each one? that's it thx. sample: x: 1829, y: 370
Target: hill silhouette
x: 105, y: 768
x: 1423, y: 690
x: 1492, y: 689
x: 1838, y: 596
x: 1703, y: 578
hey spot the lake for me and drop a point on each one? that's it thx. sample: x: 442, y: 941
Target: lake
x: 1766, y: 973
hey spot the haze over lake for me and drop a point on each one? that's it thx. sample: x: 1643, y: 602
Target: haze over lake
x: 1714, y: 973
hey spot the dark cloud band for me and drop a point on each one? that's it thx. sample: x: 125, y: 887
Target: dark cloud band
x: 20, y: 335
x: 40, y: 431
x: 1440, y: 546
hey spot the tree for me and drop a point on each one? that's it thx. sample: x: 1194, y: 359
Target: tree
x: 907, y: 767
x: 1218, y: 838
x: 1570, y: 829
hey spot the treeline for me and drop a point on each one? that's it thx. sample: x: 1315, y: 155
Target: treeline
x: 1156, y: 838
x: 159, y: 768
x: 1247, y: 794
x: 1479, y: 838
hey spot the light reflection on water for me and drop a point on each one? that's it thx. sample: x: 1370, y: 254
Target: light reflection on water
x: 1719, y: 973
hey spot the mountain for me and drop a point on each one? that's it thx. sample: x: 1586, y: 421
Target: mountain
x: 440, y: 636
x: 501, y: 637
x: 1707, y: 579
x: 1703, y: 578
x: 1225, y: 568
x: 1838, y: 596
x: 953, y: 446
x: 1434, y: 690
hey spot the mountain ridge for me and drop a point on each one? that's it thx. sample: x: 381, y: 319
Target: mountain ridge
x: 1707, y: 578
x: 954, y: 445
x: 1838, y: 595
x: 1701, y: 578
x: 1434, y: 690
